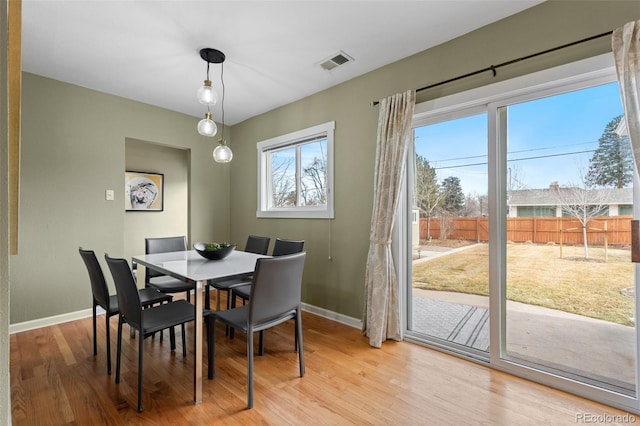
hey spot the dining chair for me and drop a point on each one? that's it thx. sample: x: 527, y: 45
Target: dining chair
x: 101, y: 297
x: 151, y: 320
x: 280, y: 248
x: 275, y: 298
x: 254, y: 244
x: 155, y: 279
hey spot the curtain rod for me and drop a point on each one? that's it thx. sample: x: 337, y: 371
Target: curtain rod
x: 493, y: 68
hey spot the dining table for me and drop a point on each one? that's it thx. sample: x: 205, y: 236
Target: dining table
x: 191, y: 267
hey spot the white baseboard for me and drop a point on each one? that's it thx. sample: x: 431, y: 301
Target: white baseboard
x: 56, y: 319
x: 86, y: 313
x: 334, y: 316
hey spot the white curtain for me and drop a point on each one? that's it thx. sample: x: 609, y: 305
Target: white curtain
x: 381, y: 319
x: 626, y: 50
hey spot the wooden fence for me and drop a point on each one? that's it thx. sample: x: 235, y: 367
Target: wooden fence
x: 542, y: 230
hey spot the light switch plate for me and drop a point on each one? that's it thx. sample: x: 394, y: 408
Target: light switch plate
x: 109, y: 194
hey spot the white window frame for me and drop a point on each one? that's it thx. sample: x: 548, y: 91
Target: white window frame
x: 264, y: 174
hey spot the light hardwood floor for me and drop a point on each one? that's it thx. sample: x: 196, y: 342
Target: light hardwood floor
x: 55, y: 380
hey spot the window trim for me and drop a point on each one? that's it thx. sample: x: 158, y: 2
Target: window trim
x: 294, y: 139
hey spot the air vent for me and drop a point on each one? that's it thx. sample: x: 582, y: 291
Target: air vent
x: 336, y: 60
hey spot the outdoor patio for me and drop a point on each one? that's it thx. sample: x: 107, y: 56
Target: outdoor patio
x: 595, y: 350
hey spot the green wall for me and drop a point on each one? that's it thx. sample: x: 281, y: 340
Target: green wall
x: 337, y: 285
x: 73, y: 149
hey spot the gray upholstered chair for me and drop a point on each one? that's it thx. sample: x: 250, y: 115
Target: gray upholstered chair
x: 254, y: 244
x: 155, y: 279
x: 151, y: 320
x: 280, y: 248
x: 101, y: 297
x: 275, y: 298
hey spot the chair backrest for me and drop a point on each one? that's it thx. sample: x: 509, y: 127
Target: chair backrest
x: 98, y: 284
x: 162, y: 245
x: 277, y: 287
x: 284, y: 247
x: 126, y: 290
x: 256, y: 244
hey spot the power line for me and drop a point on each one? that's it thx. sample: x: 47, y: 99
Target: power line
x: 516, y: 159
x: 516, y: 152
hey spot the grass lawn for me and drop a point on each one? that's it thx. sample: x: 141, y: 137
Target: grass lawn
x: 536, y: 275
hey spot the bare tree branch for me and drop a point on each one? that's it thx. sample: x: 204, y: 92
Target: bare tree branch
x: 584, y: 202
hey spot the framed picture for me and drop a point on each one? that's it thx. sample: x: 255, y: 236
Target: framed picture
x: 144, y: 192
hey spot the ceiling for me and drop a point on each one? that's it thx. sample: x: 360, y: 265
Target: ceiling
x: 148, y: 51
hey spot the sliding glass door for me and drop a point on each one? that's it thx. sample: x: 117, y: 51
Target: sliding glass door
x: 569, y: 284
x: 450, y: 281
x: 522, y: 203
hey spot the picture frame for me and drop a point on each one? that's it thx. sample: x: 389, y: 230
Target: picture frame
x: 144, y: 191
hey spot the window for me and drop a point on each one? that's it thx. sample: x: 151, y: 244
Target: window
x: 295, y: 174
x: 625, y: 210
x: 536, y: 211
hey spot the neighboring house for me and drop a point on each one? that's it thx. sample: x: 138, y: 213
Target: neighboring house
x: 547, y: 203
x: 621, y: 128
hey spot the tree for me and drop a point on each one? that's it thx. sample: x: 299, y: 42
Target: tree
x: 283, y: 182
x: 453, y: 201
x: 612, y: 163
x: 584, y: 202
x: 427, y: 190
x: 314, y: 180
x: 476, y: 205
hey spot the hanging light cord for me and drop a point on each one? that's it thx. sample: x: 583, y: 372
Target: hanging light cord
x: 208, y: 63
x: 222, y: 103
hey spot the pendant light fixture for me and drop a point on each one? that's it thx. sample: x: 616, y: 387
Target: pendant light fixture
x: 208, y: 96
x: 222, y: 153
x: 206, y: 93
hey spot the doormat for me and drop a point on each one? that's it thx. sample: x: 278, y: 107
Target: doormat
x: 454, y: 322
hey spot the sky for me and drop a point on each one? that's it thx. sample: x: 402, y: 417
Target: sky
x: 549, y: 139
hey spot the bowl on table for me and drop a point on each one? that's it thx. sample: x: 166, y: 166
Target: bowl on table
x: 214, y: 251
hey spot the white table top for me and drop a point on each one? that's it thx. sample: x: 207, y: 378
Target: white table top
x: 193, y: 267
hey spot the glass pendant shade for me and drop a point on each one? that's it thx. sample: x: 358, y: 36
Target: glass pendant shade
x: 207, y: 95
x: 222, y: 153
x: 207, y: 127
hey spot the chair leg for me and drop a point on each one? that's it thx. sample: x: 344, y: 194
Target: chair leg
x: 261, y: 343
x: 172, y: 338
x: 226, y: 327
x: 140, y: 369
x: 107, y: 317
x: 95, y: 343
x: 184, y: 341
x: 207, y: 294
x: 250, y: 368
x: 300, y: 346
x: 232, y: 295
x: 119, y: 349
x: 211, y: 344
